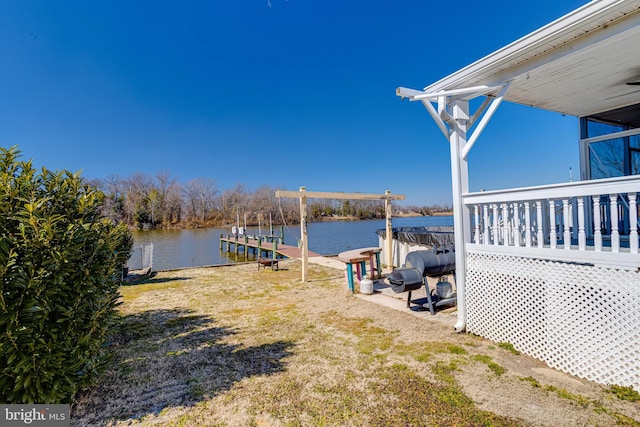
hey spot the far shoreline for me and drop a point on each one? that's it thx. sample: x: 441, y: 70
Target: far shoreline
x: 320, y: 219
x: 396, y: 215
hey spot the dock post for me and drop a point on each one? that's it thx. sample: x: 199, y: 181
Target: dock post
x: 246, y: 247
x: 282, y: 234
x: 275, y: 248
x: 220, y: 241
x: 258, y: 247
x: 235, y: 239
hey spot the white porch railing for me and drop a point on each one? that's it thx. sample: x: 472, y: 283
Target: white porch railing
x: 554, y: 270
x: 593, y: 222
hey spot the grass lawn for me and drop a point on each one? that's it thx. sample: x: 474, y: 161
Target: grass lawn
x: 234, y: 346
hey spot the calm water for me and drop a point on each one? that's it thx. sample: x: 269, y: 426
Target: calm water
x: 189, y: 248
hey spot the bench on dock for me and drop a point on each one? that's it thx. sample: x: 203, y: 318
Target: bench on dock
x: 359, y: 257
x: 267, y: 262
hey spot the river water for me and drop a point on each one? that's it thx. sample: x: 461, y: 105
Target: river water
x: 200, y: 247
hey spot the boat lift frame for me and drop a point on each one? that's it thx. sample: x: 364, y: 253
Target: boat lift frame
x: 303, y: 194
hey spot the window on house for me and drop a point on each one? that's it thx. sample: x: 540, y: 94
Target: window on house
x: 615, y: 156
x: 634, y: 149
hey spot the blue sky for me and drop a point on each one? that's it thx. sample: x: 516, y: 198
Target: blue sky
x: 268, y: 92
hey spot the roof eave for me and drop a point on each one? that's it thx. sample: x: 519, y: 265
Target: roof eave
x: 557, y: 33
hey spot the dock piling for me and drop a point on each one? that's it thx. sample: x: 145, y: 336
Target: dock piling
x: 258, y: 245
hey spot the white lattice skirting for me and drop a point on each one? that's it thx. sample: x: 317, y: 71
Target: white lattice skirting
x: 580, y: 319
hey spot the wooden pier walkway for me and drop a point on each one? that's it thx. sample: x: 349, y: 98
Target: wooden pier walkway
x: 270, y: 246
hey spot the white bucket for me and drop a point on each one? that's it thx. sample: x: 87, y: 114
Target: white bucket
x: 444, y: 289
x: 366, y: 286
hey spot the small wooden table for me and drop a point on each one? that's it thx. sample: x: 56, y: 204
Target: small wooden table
x: 359, y: 257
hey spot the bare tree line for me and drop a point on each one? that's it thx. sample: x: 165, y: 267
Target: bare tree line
x: 161, y: 201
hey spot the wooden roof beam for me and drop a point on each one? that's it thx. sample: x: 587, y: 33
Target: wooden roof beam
x: 337, y: 195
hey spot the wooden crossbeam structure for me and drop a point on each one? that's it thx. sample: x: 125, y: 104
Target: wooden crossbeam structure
x: 303, y: 195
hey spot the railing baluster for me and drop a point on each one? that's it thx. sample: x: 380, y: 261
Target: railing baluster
x: 494, y: 228
x: 597, y: 224
x: 604, y: 214
x: 540, y: 232
x: 505, y: 224
x: 476, y: 237
x: 633, y: 223
x: 527, y: 222
x: 553, y: 235
x: 615, y: 235
x: 582, y: 237
x: 516, y: 224
x: 485, y: 211
x: 572, y: 214
x: 567, y: 224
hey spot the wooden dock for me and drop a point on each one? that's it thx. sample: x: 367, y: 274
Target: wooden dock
x: 269, y: 245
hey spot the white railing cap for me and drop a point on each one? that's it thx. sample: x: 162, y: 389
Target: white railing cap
x: 596, y: 187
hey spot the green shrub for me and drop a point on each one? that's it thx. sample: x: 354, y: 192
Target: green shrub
x: 59, y: 260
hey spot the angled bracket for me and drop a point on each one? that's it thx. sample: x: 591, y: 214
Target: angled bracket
x: 445, y: 121
x: 495, y: 103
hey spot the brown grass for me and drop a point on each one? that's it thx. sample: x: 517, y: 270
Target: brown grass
x: 231, y: 346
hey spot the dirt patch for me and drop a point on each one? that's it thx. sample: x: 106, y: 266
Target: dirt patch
x: 234, y: 346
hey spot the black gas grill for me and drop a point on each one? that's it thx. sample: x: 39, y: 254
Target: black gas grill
x: 418, y: 265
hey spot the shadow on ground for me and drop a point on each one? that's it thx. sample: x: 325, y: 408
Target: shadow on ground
x: 169, y: 358
x: 145, y: 280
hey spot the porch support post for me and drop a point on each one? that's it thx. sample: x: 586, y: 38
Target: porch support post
x: 453, y: 120
x: 461, y: 218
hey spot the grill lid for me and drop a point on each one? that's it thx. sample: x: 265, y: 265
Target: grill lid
x: 405, y: 279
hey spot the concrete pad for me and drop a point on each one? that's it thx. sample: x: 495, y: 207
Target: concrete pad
x: 327, y: 262
x: 385, y: 296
